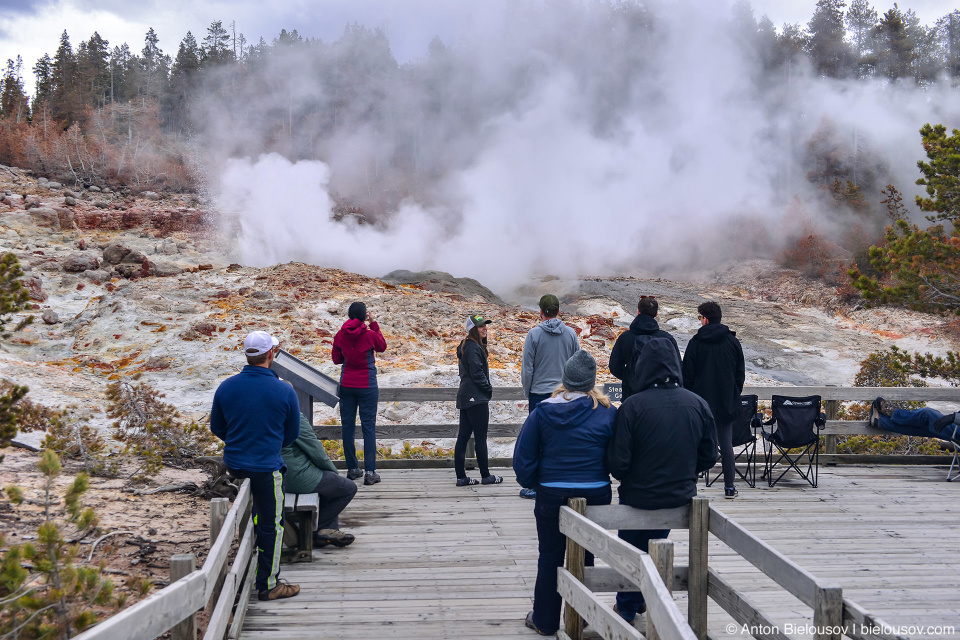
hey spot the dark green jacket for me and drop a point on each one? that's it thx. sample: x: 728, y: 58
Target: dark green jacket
x: 306, y: 459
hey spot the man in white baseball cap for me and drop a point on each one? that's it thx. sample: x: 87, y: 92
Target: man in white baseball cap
x: 256, y: 414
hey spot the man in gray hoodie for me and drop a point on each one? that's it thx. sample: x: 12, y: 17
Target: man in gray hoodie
x: 546, y: 349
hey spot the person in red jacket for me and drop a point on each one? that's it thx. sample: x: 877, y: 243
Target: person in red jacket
x: 353, y: 347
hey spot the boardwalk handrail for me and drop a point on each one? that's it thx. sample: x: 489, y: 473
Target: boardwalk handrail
x: 831, y: 396
x: 176, y: 602
x: 831, y: 611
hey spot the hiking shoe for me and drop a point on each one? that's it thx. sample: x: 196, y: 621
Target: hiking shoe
x: 371, y: 477
x: 353, y: 474
x: 337, y: 538
x: 467, y: 482
x: 283, y: 590
x: 944, y: 421
x: 530, y: 624
x: 730, y: 493
x: 880, y: 407
x: 528, y: 493
x: 492, y: 479
x: 623, y: 615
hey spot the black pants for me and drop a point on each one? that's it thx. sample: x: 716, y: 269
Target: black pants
x: 335, y: 494
x: 727, y: 457
x: 266, y: 491
x: 473, y: 420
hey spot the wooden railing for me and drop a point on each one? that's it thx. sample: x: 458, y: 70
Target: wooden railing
x: 832, y: 396
x: 587, y: 526
x: 174, y: 607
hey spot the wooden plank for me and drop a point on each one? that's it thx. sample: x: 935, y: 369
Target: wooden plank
x: 217, y: 626
x: 607, y: 580
x: 155, y: 614
x: 862, y: 625
x: 742, y: 610
x: 219, y: 552
x: 442, y: 394
x: 861, y: 394
x: 828, y: 612
x: 661, y: 553
x: 782, y: 570
x: 697, y: 580
x: 241, y: 613
x: 601, y: 618
x: 181, y: 566
x: 573, y: 623
x: 617, y: 516
x: 635, y: 565
x: 411, y: 431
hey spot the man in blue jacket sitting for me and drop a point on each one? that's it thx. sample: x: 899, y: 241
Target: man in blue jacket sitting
x: 256, y: 414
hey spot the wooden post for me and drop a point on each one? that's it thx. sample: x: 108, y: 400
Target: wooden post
x: 828, y: 612
x: 661, y: 552
x: 471, y: 454
x: 697, y: 577
x: 182, y: 565
x: 831, y: 408
x: 219, y: 507
x: 573, y: 624
x: 306, y: 404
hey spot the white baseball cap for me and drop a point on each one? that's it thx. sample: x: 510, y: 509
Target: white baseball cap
x: 258, y: 342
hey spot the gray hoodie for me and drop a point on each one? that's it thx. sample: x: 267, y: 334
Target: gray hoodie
x: 546, y: 349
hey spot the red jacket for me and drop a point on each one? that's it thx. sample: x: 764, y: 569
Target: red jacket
x: 353, y: 347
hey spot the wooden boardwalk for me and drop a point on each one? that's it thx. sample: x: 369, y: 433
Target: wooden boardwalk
x: 433, y: 560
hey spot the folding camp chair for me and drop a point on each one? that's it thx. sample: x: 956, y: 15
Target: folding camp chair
x: 795, y: 424
x: 745, y: 428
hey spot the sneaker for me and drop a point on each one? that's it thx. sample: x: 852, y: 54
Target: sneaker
x: 371, y: 477
x: 353, y: 474
x: 626, y: 617
x: 944, y: 421
x: 880, y: 407
x: 492, y: 479
x: 337, y: 538
x: 528, y: 493
x: 467, y: 482
x: 283, y: 590
x: 530, y: 624
x: 730, y: 493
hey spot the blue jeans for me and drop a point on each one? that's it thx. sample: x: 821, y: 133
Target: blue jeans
x: 629, y: 604
x: 365, y: 400
x: 553, y: 546
x: 918, y: 422
x: 535, y: 399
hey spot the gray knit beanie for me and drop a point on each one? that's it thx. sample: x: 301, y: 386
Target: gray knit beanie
x: 580, y: 372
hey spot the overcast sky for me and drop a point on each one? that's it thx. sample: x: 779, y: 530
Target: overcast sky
x: 31, y: 28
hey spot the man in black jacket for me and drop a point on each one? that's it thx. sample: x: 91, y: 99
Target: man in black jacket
x: 663, y: 437
x: 713, y: 368
x: 623, y: 361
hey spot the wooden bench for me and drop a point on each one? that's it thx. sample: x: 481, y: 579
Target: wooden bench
x: 300, y: 520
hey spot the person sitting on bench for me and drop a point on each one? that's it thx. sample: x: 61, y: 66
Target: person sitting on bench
x: 309, y: 470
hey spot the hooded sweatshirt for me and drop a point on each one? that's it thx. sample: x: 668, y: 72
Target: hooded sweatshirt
x: 546, y: 349
x: 622, y: 364
x: 353, y: 347
x: 713, y: 368
x: 562, y: 443
x: 664, y: 435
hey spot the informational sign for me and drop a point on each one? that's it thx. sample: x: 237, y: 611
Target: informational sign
x: 306, y: 379
x: 614, y: 391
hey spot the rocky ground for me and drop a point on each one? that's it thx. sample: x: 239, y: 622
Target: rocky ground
x: 148, y: 284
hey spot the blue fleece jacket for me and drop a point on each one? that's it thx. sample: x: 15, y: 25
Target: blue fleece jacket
x: 562, y: 443
x: 256, y: 414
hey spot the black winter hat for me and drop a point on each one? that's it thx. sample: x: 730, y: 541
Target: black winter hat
x: 357, y: 311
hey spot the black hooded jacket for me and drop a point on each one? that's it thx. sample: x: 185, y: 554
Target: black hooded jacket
x: 713, y: 369
x: 663, y: 437
x: 475, y: 387
x: 621, y: 356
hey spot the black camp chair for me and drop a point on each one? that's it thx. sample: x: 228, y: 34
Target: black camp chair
x: 795, y: 425
x: 745, y: 428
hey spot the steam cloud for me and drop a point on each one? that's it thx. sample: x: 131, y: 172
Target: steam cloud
x: 583, y: 138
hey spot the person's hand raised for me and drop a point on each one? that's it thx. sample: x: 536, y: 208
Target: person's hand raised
x: 370, y: 317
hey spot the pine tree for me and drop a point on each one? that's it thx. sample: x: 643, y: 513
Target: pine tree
x: 826, y: 45
x: 93, y: 62
x: 13, y: 101
x: 65, y: 103
x: 155, y: 67
x: 941, y: 175
x: 183, y: 78
x: 13, y: 298
x: 216, y: 45
x: 948, y: 28
x: 862, y: 21
x: 895, y: 50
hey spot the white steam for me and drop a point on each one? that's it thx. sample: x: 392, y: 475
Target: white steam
x: 689, y: 159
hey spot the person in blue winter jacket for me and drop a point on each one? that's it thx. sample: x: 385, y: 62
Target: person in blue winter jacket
x: 256, y: 414
x: 560, y: 452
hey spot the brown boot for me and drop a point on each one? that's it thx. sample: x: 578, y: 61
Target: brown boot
x: 283, y: 590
